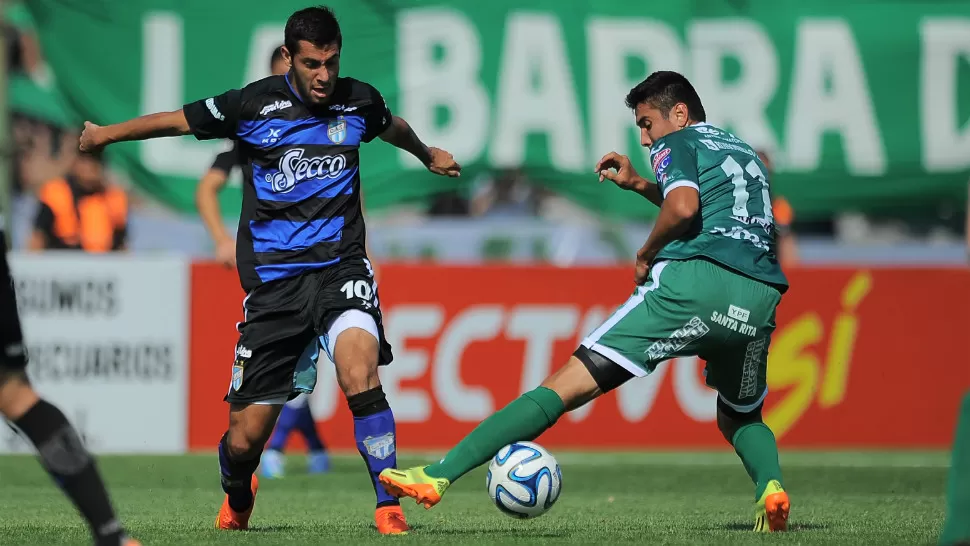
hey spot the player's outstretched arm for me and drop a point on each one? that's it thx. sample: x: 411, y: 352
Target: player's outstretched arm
x: 618, y: 169
x: 438, y: 161
x: 163, y: 124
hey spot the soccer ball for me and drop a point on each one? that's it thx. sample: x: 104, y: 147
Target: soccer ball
x: 524, y: 480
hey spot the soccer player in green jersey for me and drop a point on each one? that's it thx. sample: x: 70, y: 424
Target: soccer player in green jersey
x: 707, y: 284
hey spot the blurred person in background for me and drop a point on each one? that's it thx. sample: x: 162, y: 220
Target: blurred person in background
x: 81, y: 211
x: 508, y: 194
x: 787, y: 248
x: 296, y: 414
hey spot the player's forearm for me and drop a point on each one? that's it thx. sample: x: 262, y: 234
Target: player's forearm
x: 649, y: 190
x: 672, y: 223
x: 162, y: 124
x: 207, y: 201
x: 402, y: 136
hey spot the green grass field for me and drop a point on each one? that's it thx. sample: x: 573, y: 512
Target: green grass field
x: 664, y: 498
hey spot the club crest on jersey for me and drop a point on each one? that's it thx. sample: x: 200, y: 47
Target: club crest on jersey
x: 294, y: 168
x: 237, y: 375
x: 380, y: 447
x: 337, y: 131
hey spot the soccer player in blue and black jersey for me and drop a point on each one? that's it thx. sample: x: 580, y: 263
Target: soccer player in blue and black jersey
x: 299, y: 247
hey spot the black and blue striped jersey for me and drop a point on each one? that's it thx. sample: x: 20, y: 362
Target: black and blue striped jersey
x: 301, y: 206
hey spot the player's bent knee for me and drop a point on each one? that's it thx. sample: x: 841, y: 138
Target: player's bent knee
x: 607, y: 374
x: 352, y: 341
x: 250, y: 426
x: 730, y: 420
x: 574, y: 384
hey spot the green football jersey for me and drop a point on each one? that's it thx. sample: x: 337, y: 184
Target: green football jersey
x: 735, y: 226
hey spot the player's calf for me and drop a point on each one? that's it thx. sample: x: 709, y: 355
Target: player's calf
x: 755, y: 444
x: 355, y: 354
x: 62, y: 454
x: 239, y: 451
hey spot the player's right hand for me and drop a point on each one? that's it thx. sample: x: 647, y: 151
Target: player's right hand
x: 618, y: 169
x: 91, y: 139
x: 443, y: 163
x: 226, y: 253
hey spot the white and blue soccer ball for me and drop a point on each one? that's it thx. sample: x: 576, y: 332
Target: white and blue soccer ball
x: 524, y: 480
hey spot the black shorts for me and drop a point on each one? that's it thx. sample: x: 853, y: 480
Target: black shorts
x: 12, y: 351
x: 283, y: 317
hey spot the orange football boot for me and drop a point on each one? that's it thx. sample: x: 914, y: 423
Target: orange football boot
x: 390, y: 521
x: 231, y: 520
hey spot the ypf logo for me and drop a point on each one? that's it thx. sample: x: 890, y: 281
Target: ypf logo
x: 295, y: 169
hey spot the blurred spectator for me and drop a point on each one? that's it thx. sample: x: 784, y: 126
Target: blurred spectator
x: 784, y: 216
x: 23, y: 47
x: 38, y: 158
x: 508, y: 194
x: 449, y: 203
x: 81, y: 211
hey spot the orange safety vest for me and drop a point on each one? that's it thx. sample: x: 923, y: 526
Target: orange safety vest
x: 88, y: 222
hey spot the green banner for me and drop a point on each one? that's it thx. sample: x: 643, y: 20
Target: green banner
x: 863, y: 105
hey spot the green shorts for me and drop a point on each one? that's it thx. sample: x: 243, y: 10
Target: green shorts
x: 696, y: 308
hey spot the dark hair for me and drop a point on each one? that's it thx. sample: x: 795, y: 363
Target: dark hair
x: 663, y: 90
x: 317, y: 25
x: 277, y: 56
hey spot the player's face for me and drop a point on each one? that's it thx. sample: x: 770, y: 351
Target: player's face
x: 654, y: 125
x: 315, y: 70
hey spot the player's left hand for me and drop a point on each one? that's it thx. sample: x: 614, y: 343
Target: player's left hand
x: 443, y: 163
x: 641, y: 272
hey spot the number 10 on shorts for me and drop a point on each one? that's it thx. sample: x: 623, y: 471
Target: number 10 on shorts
x: 360, y: 289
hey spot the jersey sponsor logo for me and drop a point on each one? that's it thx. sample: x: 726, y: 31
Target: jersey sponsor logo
x: 659, y: 158
x: 294, y: 168
x: 733, y: 324
x: 658, y: 147
x: 767, y: 224
x: 342, y: 107
x: 337, y: 131
x: 749, y: 371
x: 380, y: 447
x: 738, y: 313
x: 718, y: 146
x: 740, y: 234
x: 210, y: 103
x: 277, y: 105
x: 680, y: 338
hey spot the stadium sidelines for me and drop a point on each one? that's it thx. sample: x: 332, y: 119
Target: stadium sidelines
x: 138, y: 349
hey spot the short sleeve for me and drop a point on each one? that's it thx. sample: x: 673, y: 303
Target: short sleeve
x: 214, y: 117
x: 674, y: 163
x: 377, y: 117
x: 227, y: 160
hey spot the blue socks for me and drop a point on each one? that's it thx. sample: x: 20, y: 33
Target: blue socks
x: 375, y: 435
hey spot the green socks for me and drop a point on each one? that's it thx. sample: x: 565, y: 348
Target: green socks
x: 756, y: 446
x: 957, y: 525
x: 525, y: 418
